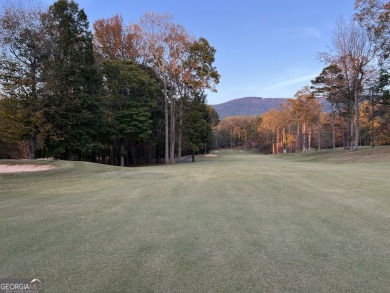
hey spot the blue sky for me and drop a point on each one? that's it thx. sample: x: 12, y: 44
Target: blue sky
x: 264, y: 48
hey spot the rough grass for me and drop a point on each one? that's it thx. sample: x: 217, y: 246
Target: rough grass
x: 239, y: 222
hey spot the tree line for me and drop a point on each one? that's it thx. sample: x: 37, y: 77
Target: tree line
x: 122, y: 94
x: 354, y: 82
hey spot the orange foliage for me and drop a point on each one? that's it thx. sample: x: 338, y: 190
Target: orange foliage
x: 113, y: 40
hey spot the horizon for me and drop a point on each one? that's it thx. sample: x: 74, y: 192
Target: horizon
x: 249, y: 97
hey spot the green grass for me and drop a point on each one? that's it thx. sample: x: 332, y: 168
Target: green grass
x: 239, y: 222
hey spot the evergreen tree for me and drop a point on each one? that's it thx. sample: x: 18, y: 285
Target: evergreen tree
x: 129, y: 101
x: 72, y: 83
x: 331, y: 85
x: 196, y: 124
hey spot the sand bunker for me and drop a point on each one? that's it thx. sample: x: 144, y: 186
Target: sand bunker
x: 23, y: 168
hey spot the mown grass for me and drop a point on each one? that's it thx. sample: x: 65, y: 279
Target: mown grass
x: 239, y: 222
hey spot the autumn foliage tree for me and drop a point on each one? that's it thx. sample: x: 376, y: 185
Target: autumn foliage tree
x: 113, y: 40
x: 352, y: 51
x: 237, y: 131
x: 304, y: 110
x: 115, y: 96
x: 181, y: 64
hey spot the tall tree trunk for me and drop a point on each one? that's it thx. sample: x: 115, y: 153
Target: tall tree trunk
x: 333, y: 130
x: 343, y: 129
x: 180, y: 130
x: 297, y: 140
x: 351, y: 140
x: 111, y: 158
x: 357, y: 122
x: 319, y: 130
x: 273, y: 142
x: 32, y: 145
x: 121, y: 157
x: 304, y: 149
x: 173, y: 134
x: 32, y: 141
x: 166, y: 121
x: 372, y: 123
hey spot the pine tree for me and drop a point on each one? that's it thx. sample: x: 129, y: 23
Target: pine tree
x: 196, y: 124
x: 72, y: 83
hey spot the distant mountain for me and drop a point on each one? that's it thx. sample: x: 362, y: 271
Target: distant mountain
x: 247, y: 106
x: 255, y: 106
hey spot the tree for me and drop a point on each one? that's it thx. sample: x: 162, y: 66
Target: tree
x: 64, y: 83
x: 304, y: 111
x: 72, y: 83
x: 353, y: 52
x: 129, y: 100
x: 155, y: 32
x: 11, y: 127
x: 214, y: 121
x: 214, y: 117
x: 115, y: 41
x: 179, y: 42
x: 278, y: 124
x: 330, y: 84
x: 21, y: 41
x: 201, y: 73
x: 195, y: 74
x: 286, y: 121
x: 181, y: 63
x: 270, y: 121
x: 374, y: 16
x: 197, y: 124
x: 236, y: 131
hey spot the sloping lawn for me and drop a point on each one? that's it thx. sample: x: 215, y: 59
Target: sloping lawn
x: 238, y: 222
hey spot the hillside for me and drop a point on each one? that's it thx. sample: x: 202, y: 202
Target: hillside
x: 247, y: 106
x: 254, y: 106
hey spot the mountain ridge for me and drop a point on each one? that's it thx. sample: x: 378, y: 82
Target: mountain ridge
x: 247, y: 106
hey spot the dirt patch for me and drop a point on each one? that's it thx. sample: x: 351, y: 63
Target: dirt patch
x: 23, y: 168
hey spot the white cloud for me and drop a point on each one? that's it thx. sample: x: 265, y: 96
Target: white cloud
x: 302, y: 32
x: 285, y: 88
x: 311, y: 32
x: 291, y: 81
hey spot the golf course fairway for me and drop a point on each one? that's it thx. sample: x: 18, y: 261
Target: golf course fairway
x: 235, y: 222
